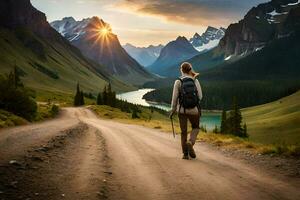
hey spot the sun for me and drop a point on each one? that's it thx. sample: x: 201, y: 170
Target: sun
x: 104, y: 31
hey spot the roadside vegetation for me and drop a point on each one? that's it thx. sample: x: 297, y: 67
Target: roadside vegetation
x: 109, y: 107
x: 18, y: 105
x: 7, y: 119
x: 244, y: 144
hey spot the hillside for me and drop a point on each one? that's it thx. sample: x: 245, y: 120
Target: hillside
x: 276, y: 122
x: 266, y: 73
x: 260, y: 26
x: 173, y: 53
x: 277, y: 60
x: 45, y: 60
x: 96, y: 41
x: 201, y: 63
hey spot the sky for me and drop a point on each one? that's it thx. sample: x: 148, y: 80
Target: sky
x: 146, y: 22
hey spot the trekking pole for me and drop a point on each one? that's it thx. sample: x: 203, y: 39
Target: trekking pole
x: 172, y: 126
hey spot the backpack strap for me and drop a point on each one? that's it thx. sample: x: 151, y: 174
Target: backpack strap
x: 180, y: 94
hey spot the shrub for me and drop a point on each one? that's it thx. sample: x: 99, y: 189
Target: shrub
x: 54, y: 110
x: 134, y: 114
x: 16, y: 99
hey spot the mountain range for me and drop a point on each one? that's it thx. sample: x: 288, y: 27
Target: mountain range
x: 45, y: 60
x: 104, y: 49
x: 261, y: 26
x: 173, y: 53
x: 257, y: 61
x: 208, y: 40
x: 144, y: 55
x: 182, y: 49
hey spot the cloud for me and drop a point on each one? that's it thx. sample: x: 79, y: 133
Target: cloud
x: 195, y: 12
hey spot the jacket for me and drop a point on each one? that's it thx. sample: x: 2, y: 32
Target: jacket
x: 175, y: 97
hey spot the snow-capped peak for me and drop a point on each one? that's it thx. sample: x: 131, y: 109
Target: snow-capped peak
x: 72, y: 29
x: 291, y: 4
x: 208, y: 40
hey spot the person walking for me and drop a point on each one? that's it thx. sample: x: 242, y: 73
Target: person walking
x: 187, y: 94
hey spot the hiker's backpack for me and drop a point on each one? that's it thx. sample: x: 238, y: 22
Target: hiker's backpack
x: 188, y: 96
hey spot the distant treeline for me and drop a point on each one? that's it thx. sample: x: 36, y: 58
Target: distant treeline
x: 219, y: 94
x: 108, y: 97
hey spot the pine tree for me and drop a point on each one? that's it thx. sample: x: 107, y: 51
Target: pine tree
x: 104, y: 94
x: 134, y: 114
x: 77, y: 96
x: 82, y: 98
x: 113, y: 99
x: 109, y: 90
x: 216, y: 130
x: 17, y: 80
x: 235, y: 120
x: 204, y: 129
x: 223, y: 122
x: 99, y: 99
x: 110, y: 100
x: 14, y: 78
x: 11, y: 79
x: 245, y: 132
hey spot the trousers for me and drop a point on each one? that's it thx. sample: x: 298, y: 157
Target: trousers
x: 183, y: 121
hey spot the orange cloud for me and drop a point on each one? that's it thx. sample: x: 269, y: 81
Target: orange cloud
x: 193, y: 12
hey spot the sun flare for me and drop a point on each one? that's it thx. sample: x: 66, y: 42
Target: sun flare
x: 104, y: 31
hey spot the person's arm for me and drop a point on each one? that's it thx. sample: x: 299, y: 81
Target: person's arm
x: 199, y: 89
x: 175, y: 96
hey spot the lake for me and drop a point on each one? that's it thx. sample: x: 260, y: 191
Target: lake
x: 208, y: 119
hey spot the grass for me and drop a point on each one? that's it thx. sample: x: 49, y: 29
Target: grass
x: 59, y: 70
x: 8, y: 119
x: 146, y: 118
x: 45, y: 111
x: 236, y: 143
x: 275, y: 123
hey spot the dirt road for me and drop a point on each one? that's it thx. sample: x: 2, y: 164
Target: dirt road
x: 78, y: 156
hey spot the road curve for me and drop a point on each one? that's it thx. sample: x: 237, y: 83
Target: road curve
x: 79, y: 156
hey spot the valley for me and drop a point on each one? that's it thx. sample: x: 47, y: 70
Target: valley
x: 209, y: 119
x: 86, y: 86
x: 103, y: 47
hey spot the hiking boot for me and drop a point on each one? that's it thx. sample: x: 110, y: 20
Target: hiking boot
x: 185, y: 156
x: 191, y: 150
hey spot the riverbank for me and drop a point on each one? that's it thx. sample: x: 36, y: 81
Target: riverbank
x: 209, y: 119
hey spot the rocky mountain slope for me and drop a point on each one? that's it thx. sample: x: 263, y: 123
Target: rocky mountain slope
x: 173, y: 53
x: 208, y: 40
x: 144, y: 55
x: 260, y: 26
x: 46, y: 61
x: 95, y: 39
x: 254, y: 74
